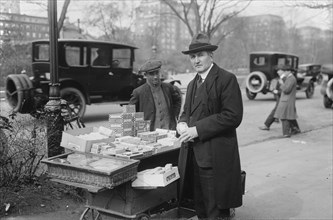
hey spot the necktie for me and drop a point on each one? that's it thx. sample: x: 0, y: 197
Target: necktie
x: 199, y: 82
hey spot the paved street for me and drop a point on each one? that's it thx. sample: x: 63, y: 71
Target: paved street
x: 288, y: 178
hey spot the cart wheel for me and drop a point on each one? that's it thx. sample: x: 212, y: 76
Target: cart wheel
x: 90, y: 214
x: 142, y: 216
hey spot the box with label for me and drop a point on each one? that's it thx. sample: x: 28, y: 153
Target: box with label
x: 82, y: 139
x: 128, y: 108
x: 120, y: 118
x: 157, y: 177
x: 138, y: 116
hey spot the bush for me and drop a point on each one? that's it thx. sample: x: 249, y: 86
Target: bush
x: 23, y: 148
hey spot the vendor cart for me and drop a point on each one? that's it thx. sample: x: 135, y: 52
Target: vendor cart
x: 125, y: 202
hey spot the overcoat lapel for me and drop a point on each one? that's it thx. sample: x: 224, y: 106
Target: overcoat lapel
x: 208, y: 84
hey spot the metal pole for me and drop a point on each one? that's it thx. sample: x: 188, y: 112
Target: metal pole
x: 55, y: 122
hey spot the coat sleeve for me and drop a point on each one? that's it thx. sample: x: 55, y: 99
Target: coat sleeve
x: 288, y: 85
x: 135, y: 100
x: 230, y: 110
x: 176, y: 97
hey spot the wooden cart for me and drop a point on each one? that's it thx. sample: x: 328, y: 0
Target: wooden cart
x: 125, y: 202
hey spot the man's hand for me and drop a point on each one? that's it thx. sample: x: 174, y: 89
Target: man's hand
x: 181, y: 126
x: 188, y: 134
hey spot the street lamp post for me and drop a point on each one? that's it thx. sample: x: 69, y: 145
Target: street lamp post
x: 54, y: 120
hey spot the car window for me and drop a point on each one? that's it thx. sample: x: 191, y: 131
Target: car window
x: 259, y: 61
x: 74, y: 56
x: 41, y: 52
x: 100, y: 56
x: 121, y: 58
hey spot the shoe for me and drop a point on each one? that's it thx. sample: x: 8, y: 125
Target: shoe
x: 230, y: 217
x: 295, y: 131
x: 286, y: 136
x: 265, y: 128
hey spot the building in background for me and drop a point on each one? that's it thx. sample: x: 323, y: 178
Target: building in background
x: 168, y: 33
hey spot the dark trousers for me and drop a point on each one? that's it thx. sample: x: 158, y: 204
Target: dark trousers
x: 288, y: 126
x: 270, y: 119
x: 204, y: 194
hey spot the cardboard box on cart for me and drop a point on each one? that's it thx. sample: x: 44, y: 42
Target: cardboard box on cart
x: 71, y: 140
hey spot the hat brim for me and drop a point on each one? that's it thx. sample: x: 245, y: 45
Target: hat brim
x: 202, y: 48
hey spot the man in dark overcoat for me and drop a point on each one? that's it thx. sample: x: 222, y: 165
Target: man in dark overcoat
x: 159, y: 101
x: 286, y: 109
x: 209, y: 161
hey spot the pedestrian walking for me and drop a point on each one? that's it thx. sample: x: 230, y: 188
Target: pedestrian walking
x: 277, y: 93
x: 209, y: 161
x: 286, y: 109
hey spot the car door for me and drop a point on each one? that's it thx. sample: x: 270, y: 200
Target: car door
x: 101, y: 75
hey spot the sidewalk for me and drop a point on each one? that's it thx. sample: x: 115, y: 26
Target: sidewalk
x: 288, y: 178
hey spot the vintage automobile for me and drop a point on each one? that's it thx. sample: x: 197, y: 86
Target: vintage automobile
x: 327, y: 85
x: 88, y: 71
x: 310, y: 69
x: 262, y: 77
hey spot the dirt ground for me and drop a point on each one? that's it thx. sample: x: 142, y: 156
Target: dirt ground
x: 41, y: 196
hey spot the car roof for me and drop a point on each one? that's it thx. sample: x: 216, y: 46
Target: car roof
x: 87, y: 41
x: 272, y: 53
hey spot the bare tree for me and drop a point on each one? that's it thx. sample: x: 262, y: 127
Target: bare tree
x: 209, y: 15
x: 107, y: 18
x: 43, y: 5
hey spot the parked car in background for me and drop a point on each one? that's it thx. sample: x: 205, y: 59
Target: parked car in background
x: 88, y: 71
x: 327, y: 85
x: 310, y: 69
x: 262, y: 73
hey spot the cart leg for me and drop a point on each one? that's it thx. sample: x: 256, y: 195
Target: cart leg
x: 90, y: 214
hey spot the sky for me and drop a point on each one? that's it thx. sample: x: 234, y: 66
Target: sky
x: 299, y: 16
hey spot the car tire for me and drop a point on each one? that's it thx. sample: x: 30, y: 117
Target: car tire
x: 75, y: 100
x: 327, y: 102
x: 18, y: 90
x: 261, y: 77
x: 310, y: 90
x: 250, y: 95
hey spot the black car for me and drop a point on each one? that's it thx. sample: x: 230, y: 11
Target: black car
x: 89, y: 72
x: 310, y: 69
x: 263, y: 73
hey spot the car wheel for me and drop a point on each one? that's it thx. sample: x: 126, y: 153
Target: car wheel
x: 327, y: 102
x: 256, y: 82
x: 309, y: 90
x: 250, y: 95
x: 75, y: 100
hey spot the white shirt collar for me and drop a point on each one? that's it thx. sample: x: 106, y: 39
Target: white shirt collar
x: 204, y: 74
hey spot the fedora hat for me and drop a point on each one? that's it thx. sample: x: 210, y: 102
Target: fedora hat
x: 200, y: 42
x: 284, y: 67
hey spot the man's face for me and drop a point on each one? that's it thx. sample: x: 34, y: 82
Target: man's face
x: 153, y: 78
x: 201, y: 61
x: 283, y: 73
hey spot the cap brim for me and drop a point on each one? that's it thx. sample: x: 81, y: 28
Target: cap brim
x: 203, y: 48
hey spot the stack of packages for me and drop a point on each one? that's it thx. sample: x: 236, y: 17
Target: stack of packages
x: 133, y: 138
x: 129, y: 122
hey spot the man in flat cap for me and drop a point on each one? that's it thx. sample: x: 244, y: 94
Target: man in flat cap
x: 286, y: 109
x: 209, y: 162
x: 159, y: 101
